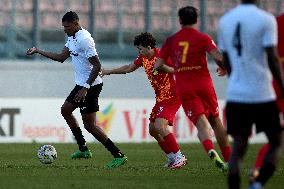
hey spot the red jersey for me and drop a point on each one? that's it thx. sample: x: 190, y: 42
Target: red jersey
x: 187, y: 49
x: 280, y: 47
x: 280, y: 24
x: 162, y: 83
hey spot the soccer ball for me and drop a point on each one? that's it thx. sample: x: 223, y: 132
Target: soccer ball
x: 46, y: 154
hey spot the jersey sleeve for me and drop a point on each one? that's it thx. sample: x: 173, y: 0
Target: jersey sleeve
x: 165, y: 50
x: 169, y: 62
x: 88, y: 47
x: 210, y: 44
x: 270, y: 33
x: 138, y: 61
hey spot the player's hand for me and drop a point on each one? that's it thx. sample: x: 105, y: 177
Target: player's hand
x: 81, y: 94
x: 104, y: 72
x: 155, y: 72
x: 221, y: 72
x: 31, y: 51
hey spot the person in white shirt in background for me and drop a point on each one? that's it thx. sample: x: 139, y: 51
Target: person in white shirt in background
x: 247, y: 36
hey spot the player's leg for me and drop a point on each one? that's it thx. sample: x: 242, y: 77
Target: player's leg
x: 89, y: 121
x: 240, y: 144
x: 221, y: 136
x: 239, y: 124
x: 264, y: 149
x: 254, y: 172
x: 269, y: 122
x: 66, y: 111
x: 203, y: 134
x: 194, y: 109
x: 270, y: 160
x: 168, y: 143
x: 88, y: 110
x: 210, y: 102
x: 163, y: 114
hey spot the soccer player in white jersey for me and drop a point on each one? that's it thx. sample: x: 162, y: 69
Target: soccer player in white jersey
x: 247, y: 37
x: 81, y: 47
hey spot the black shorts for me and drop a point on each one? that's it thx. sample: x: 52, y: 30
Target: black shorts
x: 91, y: 103
x: 241, y: 117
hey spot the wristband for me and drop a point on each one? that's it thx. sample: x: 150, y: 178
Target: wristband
x: 87, y: 86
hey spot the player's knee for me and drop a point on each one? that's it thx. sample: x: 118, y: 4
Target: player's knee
x: 152, y: 130
x: 160, y: 123
x: 88, y: 127
x: 65, y: 112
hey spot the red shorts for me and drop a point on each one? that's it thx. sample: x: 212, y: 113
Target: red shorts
x: 199, y: 101
x: 166, y: 109
x: 279, y: 98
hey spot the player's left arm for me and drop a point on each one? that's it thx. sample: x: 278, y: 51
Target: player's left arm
x: 90, y: 52
x: 95, y: 61
x: 81, y: 94
x: 88, y: 46
x: 162, y: 66
x: 167, y: 69
x: 159, y: 65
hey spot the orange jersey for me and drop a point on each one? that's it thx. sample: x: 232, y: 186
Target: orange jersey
x: 162, y: 83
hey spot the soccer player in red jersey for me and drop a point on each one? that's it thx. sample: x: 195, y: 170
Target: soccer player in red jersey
x: 167, y: 102
x: 279, y: 98
x: 187, y: 48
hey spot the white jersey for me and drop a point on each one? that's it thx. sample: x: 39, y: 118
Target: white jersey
x: 82, y: 47
x: 243, y: 33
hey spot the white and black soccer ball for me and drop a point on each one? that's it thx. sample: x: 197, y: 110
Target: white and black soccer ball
x: 46, y: 154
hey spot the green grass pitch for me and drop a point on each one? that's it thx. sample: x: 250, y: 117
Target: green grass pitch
x: 21, y: 169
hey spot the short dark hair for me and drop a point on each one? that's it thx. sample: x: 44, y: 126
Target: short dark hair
x: 188, y: 15
x: 145, y: 39
x: 70, y: 17
x: 248, y: 1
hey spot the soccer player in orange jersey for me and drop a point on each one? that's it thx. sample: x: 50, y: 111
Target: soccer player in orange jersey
x: 279, y: 98
x: 187, y: 48
x: 167, y: 102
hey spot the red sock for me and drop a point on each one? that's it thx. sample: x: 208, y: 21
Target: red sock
x: 170, y: 139
x: 165, y: 147
x: 208, y: 145
x: 226, y: 152
x: 260, y: 156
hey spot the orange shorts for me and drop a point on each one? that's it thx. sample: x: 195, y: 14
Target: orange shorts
x: 166, y: 109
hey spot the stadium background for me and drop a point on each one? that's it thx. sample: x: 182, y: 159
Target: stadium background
x: 37, y: 87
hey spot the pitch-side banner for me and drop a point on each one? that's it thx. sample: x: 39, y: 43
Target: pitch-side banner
x: 123, y: 120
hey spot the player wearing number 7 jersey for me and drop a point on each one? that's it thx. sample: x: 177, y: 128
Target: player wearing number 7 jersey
x: 187, y: 48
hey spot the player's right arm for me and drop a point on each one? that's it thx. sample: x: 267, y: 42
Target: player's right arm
x: 218, y: 58
x: 60, y: 57
x: 121, y: 70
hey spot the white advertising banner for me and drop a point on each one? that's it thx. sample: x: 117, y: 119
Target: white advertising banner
x: 123, y: 120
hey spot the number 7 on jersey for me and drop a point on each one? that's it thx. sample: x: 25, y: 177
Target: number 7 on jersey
x: 184, y: 45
